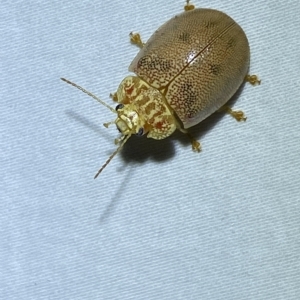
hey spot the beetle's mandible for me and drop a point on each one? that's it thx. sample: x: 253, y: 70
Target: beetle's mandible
x: 188, y: 69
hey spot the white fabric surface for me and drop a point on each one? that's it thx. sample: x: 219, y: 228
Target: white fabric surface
x: 161, y: 222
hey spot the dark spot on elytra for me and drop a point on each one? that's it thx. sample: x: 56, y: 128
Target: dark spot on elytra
x: 214, y: 69
x: 209, y: 24
x: 230, y: 43
x: 184, y: 36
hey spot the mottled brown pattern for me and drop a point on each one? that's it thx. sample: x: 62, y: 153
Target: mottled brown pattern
x: 198, y: 60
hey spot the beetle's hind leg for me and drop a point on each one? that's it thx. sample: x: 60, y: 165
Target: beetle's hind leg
x: 188, y: 6
x: 253, y: 79
x: 237, y: 114
x: 135, y: 38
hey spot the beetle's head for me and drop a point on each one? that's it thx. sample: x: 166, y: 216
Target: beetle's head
x: 128, y: 122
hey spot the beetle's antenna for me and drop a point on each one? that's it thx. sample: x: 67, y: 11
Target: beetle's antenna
x: 90, y: 94
x: 112, y: 156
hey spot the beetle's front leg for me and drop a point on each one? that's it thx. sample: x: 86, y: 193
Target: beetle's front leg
x: 135, y: 38
x: 114, y: 96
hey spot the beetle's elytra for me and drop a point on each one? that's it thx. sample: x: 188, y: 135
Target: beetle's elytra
x: 188, y: 69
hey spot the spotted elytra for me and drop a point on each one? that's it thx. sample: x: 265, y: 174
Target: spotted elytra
x: 188, y: 69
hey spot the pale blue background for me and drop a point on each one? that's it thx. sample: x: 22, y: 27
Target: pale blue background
x: 161, y: 222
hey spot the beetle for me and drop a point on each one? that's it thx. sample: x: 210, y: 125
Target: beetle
x: 188, y: 69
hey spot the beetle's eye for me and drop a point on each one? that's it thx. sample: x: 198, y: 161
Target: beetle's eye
x: 119, y: 106
x: 140, y: 132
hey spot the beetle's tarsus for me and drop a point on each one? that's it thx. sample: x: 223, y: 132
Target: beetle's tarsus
x: 237, y: 114
x: 196, y: 146
x: 253, y: 79
x: 135, y: 38
x: 188, y: 6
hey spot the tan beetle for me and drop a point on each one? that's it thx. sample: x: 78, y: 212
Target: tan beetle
x: 188, y: 69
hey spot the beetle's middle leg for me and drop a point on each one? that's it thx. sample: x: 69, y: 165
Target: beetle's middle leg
x: 135, y: 38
